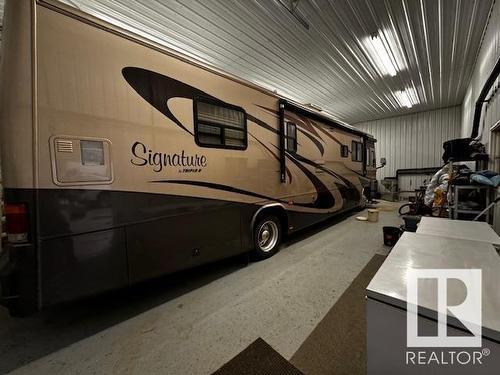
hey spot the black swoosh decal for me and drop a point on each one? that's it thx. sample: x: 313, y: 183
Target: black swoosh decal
x: 262, y: 124
x: 302, y: 121
x: 219, y: 187
x: 303, y: 125
x: 349, y: 191
x: 317, y: 204
x: 157, y: 89
x: 314, y: 140
x: 357, y: 173
x: 327, y: 133
x: 325, y: 198
x: 272, y: 153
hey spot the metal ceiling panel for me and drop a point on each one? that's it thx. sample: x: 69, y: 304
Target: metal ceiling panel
x: 433, y: 44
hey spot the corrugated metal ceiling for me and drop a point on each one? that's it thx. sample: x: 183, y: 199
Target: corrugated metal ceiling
x: 433, y: 46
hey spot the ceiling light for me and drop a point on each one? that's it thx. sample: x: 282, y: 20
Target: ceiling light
x: 413, y: 95
x: 380, y: 52
x: 403, y: 99
x: 407, y: 98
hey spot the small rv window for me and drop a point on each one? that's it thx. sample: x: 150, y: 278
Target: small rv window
x: 357, y: 151
x: 220, y: 125
x: 291, y: 137
x: 344, y: 151
x: 92, y: 152
x: 360, y: 151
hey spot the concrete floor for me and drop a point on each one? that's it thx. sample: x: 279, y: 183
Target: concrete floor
x: 194, y: 322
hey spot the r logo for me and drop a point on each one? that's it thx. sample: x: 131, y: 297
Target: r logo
x: 468, y: 312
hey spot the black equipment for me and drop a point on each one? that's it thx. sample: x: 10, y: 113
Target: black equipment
x: 463, y: 149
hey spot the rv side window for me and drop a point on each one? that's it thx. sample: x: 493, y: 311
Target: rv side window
x: 291, y: 137
x: 344, y: 151
x: 357, y: 151
x: 220, y: 125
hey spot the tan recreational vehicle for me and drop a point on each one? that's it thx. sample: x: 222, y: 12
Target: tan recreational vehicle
x: 123, y: 161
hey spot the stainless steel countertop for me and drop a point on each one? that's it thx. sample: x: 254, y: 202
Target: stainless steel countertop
x: 461, y: 229
x: 415, y: 250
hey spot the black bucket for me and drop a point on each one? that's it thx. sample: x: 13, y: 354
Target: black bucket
x: 391, y: 235
x: 411, y: 223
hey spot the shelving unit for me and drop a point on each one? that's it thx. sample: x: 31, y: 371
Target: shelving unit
x: 454, y: 206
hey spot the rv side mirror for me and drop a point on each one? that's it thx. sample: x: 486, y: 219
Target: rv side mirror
x: 383, y: 162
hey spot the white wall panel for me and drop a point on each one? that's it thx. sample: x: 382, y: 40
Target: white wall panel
x: 415, y: 140
x: 487, y: 57
x: 408, y: 183
x: 489, y: 54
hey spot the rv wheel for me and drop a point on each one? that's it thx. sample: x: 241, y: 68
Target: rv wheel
x: 266, y: 237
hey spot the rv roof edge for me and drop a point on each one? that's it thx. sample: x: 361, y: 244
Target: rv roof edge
x: 295, y: 107
x: 87, y: 18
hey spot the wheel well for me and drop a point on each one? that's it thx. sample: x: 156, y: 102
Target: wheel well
x: 277, y: 211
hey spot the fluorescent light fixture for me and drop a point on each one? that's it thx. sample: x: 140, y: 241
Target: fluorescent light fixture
x: 403, y: 99
x: 407, y: 98
x: 380, y: 53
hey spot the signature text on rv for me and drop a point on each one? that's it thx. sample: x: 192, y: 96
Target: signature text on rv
x: 145, y: 156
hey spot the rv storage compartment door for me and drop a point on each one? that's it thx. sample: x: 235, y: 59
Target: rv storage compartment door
x: 81, y: 161
x: 174, y: 243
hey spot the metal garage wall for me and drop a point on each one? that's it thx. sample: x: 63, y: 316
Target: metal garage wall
x: 415, y: 140
x: 487, y: 57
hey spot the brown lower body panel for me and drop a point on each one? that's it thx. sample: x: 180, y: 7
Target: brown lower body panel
x: 87, y: 242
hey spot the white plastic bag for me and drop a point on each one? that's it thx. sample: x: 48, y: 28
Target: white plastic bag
x: 438, y: 181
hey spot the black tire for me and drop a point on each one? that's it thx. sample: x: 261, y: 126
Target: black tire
x: 265, y: 248
x: 405, y: 209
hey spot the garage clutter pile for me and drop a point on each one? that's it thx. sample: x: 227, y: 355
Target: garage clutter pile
x: 438, y: 193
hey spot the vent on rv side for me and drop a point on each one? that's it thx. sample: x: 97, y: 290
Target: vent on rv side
x: 64, y: 145
x: 81, y: 161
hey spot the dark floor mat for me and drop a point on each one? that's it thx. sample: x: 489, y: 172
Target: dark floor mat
x: 338, y: 343
x: 258, y: 358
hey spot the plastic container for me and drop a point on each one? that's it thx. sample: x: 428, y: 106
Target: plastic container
x: 391, y: 235
x: 373, y: 215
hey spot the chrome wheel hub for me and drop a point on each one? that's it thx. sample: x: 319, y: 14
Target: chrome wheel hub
x: 268, y: 235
